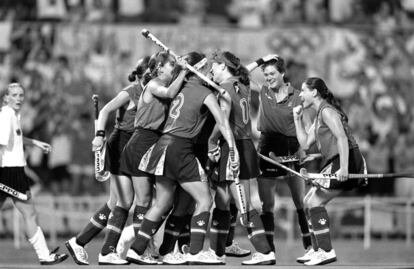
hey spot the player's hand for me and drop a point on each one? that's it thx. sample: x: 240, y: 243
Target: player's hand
x: 297, y: 112
x: 270, y: 57
x: 45, y: 147
x: 234, y: 160
x: 342, y: 174
x: 181, y: 62
x: 97, y: 143
x: 214, y: 152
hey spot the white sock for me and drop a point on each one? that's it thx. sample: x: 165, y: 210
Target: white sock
x: 126, y: 240
x: 38, y: 242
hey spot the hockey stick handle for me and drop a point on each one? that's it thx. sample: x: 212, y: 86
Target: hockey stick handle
x: 270, y: 160
x: 149, y: 35
x: 304, y: 173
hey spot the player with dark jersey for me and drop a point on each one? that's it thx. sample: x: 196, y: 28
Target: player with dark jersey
x: 120, y: 200
x: 333, y: 137
x: 277, y: 134
x: 233, y: 77
x: 173, y: 161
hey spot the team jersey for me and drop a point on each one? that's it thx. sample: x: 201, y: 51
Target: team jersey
x: 188, y: 113
x: 125, y: 117
x: 240, y: 108
x: 151, y: 115
x: 325, y: 140
x: 11, y: 139
x: 277, y: 117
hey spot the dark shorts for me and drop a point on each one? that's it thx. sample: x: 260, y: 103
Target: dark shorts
x: 173, y: 157
x: 249, y: 166
x: 355, y: 165
x: 201, y: 151
x: 134, y: 150
x: 114, y: 147
x: 281, y: 145
x: 15, y: 178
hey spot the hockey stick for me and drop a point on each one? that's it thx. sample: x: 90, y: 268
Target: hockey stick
x: 100, y: 174
x: 296, y: 158
x: 244, y: 210
x: 149, y: 35
x: 273, y: 160
x: 304, y: 173
x: 14, y: 193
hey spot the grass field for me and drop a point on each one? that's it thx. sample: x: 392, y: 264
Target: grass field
x: 383, y: 254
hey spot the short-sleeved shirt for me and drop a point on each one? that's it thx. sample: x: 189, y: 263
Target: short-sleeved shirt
x: 239, y: 119
x: 125, y: 117
x: 187, y: 113
x: 277, y: 117
x: 11, y: 139
x: 151, y: 115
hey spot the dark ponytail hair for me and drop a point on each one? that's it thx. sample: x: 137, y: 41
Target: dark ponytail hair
x: 233, y: 64
x: 156, y: 60
x: 325, y: 93
x: 140, y: 69
x: 193, y: 58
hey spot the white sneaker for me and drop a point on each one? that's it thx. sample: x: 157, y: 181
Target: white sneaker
x: 111, y: 259
x: 202, y: 258
x: 53, y: 258
x: 261, y: 259
x: 77, y: 252
x: 143, y: 259
x: 173, y: 258
x: 234, y: 250
x: 308, y: 255
x: 185, y: 249
x: 221, y: 258
x: 322, y: 257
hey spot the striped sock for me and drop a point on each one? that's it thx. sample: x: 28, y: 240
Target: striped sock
x: 138, y: 217
x: 257, y: 234
x: 268, y: 220
x: 94, y: 226
x: 114, y: 227
x: 173, y: 227
x: 148, y: 229
x: 184, y: 238
x: 303, y: 224
x: 312, y: 234
x: 199, y: 225
x: 233, y: 221
x: 220, y: 225
x: 320, y: 224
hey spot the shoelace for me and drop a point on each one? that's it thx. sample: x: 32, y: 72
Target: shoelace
x: 257, y: 256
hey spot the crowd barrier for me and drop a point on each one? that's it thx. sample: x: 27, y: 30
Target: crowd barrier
x: 67, y: 215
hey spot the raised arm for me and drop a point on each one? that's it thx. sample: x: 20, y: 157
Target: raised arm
x: 305, y: 138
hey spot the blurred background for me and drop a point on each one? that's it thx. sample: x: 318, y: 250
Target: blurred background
x: 63, y: 51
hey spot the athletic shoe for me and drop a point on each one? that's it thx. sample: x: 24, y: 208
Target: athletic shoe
x: 322, y: 257
x: 143, y: 259
x: 54, y: 258
x: 78, y: 253
x: 261, y: 259
x: 234, y: 250
x: 111, y: 259
x: 221, y: 258
x: 202, y: 258
x: 308, y: 255
x: 173, y: 258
